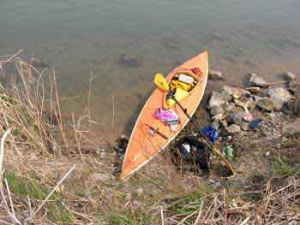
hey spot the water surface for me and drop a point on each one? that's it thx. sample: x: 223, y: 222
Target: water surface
x: 84, y: 39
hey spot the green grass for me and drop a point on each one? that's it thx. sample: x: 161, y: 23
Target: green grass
x: 187, y: 204
x: 30, y: 187
x: 130, y: 217
x: 283, y: 167
x: 25, y: 187
x: 59, y: 214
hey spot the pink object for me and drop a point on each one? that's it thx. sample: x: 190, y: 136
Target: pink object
x: 165, y: 115
x: 248, y: 117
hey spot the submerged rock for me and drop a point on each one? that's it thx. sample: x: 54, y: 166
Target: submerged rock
x: 129, y: 61
x: 279, y: 96
x: 36, y: 62
x: 289, y: 76
x: 215, y: 75
x: 256, y: 80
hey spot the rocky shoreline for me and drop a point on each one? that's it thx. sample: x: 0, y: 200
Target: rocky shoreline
x: 258, y: 113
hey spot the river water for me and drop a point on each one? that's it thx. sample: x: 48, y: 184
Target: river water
x: 87, y: 41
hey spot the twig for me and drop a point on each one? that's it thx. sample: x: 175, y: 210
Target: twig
x: 187, y: 217
x: 29, y: 205
x: 246, y: 220
x: 7, y: 132
x: 51, y: 193
x: 3, y: 62
x: 9, y: 197
x: 113, y: 112
x: 162, y: 216
x: 4, y: 222
x: 199, y: 214
x: 11, y: 214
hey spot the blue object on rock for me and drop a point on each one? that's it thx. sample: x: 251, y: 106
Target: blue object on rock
x: 211, y: 133
x: 255, y: 123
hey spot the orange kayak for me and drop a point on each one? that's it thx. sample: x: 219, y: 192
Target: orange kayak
x: 150, y: 135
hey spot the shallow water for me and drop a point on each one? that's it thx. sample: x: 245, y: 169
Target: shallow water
x: 84, y: 39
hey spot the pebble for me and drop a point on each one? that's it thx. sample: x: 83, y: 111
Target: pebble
x: 233, y: 129
x: 215, y: 75
x: 235, y: 118
x: 140, y: 191
x: 248, y: 117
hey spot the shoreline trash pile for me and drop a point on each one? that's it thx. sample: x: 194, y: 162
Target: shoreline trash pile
x: 236, y: 110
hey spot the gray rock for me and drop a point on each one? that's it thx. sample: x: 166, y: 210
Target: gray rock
x: 235, y: 118
x: 289, y: 76
x: 216, y: 110
x: 234, y: 91
x: 294, y: 87
x: 279, y: 96
x: 218, y: 117
x: 215, y: 124
x: 234, y: 129
x: 216, y: 99
x: 265, y: 104
x: 256, y: 80
x: 293, y: 107
x: 229, y: 107
x: 215, y: 75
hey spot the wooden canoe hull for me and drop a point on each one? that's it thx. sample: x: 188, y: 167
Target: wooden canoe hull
x: 144, y: 145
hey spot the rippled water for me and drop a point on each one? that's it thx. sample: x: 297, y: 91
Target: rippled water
x: 122, y: 43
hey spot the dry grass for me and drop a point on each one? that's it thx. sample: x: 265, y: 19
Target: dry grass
x: 56, y: 171
x: 279, y: 205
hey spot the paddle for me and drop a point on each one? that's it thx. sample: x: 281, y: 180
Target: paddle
x: 156, y: 131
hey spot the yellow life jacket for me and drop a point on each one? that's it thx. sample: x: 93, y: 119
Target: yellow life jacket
x: 180, y: 84
x: 180, y: 94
